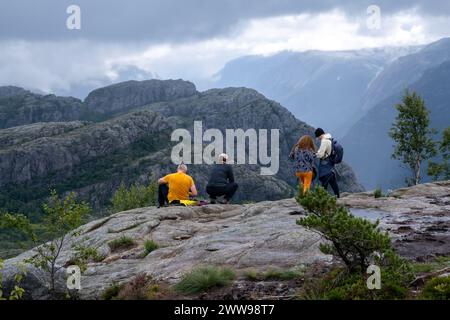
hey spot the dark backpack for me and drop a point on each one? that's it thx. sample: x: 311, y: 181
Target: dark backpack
x: 337, y: 152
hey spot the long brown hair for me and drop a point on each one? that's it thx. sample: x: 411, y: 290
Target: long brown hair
x: 305, y: 143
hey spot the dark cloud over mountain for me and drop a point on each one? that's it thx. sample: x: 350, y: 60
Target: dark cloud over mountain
x: 170, y: 20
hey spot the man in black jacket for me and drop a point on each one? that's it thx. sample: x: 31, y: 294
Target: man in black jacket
x: 221, y: 181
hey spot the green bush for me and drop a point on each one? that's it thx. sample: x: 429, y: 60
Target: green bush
x: 84, y: 255
x: 123, y: 242
x: 354, y: 240
x: 340, y: 284
x: 205, y: 278
x: 61, y: 216
x: 137, y: 196
x: 437, y: 289
x: 358, y: 243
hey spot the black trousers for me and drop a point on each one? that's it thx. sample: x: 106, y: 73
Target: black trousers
x: 228, y: 190
x: 330, y: 179
x: 163, y: 192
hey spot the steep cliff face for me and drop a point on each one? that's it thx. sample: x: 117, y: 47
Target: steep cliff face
x: 128, y: 95
x: 94, y: 158
x: 20, y: 107
x: 79, y: 158
x: 39, y: 157
x: 18, y: 135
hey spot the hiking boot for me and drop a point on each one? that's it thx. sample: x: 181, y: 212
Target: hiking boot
x: 224, y: 201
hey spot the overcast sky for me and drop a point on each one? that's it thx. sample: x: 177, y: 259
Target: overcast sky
x: 189, y: 39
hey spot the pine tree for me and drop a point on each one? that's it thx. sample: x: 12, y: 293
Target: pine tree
x: 411, y: 133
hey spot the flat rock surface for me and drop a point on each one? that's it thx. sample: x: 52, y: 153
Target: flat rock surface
x: 417, y: 217
x: 258, y: 236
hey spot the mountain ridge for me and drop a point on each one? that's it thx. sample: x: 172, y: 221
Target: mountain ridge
x: 313, y: 82
x: 133, y: 145
x: 369, y: 136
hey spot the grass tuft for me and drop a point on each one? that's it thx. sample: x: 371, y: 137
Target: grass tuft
x: 204, y: 278
x: 149, y: 246
x: 273, y: 274
x: 123, y: 242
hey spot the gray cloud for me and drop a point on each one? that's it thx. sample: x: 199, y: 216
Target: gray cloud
x: 136, y: 39
x: 155, y: 21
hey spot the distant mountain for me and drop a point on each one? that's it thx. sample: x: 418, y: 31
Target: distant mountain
x: 404, y: 71
x: 125, y: 96
x: 322, y: 88
x: 132, y: 144
x: 368, y: 146
x: 21, y: 107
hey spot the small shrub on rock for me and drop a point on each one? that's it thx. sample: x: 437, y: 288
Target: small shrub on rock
x: 358, y: 243
x: 354, y: 240
x: 61, y: 216
x: 84, y: 255
x: 136, y: 289
x: 340, y: 284
x: 378, y: 193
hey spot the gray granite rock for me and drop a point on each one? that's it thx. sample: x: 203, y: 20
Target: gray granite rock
x: 258, y: 236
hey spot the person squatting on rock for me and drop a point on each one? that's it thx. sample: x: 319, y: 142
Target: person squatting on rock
x: 304, y: 155
x: 175, y: 188
x: 327, y: 174
x: 221, y: 181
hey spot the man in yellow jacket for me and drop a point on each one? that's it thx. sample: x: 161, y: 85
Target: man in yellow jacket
x: 176, y: 187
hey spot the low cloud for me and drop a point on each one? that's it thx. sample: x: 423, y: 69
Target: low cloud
x: 75, y: 66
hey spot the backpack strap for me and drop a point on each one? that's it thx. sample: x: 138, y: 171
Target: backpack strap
x: 326, y: 154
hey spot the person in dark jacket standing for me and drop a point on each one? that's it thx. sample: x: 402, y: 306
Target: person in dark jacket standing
x: 327, y: 174
x: 221, y: 181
